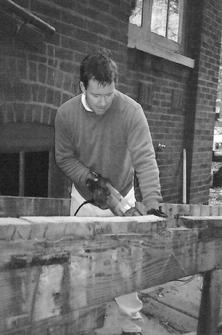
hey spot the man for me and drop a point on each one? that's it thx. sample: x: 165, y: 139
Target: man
x: 103, y: 134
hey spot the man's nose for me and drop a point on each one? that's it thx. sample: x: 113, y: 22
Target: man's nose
x: 102, y: 101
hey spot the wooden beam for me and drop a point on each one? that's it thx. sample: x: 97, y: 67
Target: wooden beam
x: 201, y: 221
x: 137, y: 41
x: 11, y: 206
x: 210, y: 303
x: 53, y: 268
x: 178, y: 320
x: 175, y: 211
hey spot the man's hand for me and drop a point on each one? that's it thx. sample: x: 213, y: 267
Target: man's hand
x: 157, y: 212
x: 133, y: 211
x: 96, y: 184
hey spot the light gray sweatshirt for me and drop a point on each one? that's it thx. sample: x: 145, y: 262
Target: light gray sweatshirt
x: 113, y: 145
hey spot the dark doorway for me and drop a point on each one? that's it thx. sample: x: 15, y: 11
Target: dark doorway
x: 24, y: 174
x: 9, y: 174
x: 36, y: 174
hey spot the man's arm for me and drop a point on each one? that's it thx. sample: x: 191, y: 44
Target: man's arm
x: 143, y: 159
x: 65, y: 153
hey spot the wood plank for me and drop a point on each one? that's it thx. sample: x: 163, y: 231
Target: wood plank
x: 195, y: 209
x: 214, y: 210
x: 81, y: 322
x: 210, y: 303
x: 202, y: 221
x: 53, y: 268
x: 40, y: 298
x: 115, y: 322
x: 153, y: 49
x: 175, y: 211
x: 11, y: 206
x: 176, y: 303
x: 177, y: 321
x: 204, y: 210
x: 33, y: 206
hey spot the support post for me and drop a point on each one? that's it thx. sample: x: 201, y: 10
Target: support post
x: 210, y: 303
x: 184, y: 176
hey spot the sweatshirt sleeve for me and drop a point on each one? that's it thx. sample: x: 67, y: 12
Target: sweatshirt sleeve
x: 143, y: 159
x: 65, y: 155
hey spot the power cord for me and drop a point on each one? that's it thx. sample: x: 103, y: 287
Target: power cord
x: 84, y: 203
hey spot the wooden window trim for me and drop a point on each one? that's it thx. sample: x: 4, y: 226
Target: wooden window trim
x: 143, y: 39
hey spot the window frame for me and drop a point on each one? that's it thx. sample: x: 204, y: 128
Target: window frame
x: 142, y: 38
x: 27, y: 137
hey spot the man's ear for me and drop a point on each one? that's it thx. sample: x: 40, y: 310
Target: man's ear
x: 82, y: 87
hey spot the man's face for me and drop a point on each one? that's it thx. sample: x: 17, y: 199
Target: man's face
x: 99, y: 98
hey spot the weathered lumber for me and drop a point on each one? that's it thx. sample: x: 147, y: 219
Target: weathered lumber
x: 18, y: 206
x: 12, y: 206
x: 210, y: 303
x: 175, y: 211
x: 57, y: 273
x: 175, y: 303
x: 210, y: 228
x: 201, y: 221
x: 115, y: 322
x: 177, y: 320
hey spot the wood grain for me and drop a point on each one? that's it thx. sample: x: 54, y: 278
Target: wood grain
x: 58, y: 272
x: 210, y: 303
x: 18, y: 206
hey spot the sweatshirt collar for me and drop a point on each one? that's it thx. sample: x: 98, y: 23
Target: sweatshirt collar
x: 85, y: 105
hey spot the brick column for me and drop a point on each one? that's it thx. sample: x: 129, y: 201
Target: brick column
x: 204, y: 39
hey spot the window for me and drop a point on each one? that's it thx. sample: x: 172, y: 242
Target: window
x: 165, y: 19
x: 27, y: 161
x: 156, y: 27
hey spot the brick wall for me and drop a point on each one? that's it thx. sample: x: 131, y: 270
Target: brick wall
x: 160, y: 87
x: 204, y: 44
x: 36, y: 79
x: 219, y: 88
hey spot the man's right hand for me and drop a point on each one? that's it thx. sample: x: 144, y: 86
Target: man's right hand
x: 133, y: 211
x: 96, y: 184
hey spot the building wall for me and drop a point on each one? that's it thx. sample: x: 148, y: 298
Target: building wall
x: 204, y: 43
x: 35, y: 78
x: 160, y: 87
x: 219, y: 92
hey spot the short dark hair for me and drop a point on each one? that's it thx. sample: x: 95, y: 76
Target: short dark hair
x: 98, y: 66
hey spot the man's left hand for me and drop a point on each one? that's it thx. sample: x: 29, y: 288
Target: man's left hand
x: 157, y: 212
